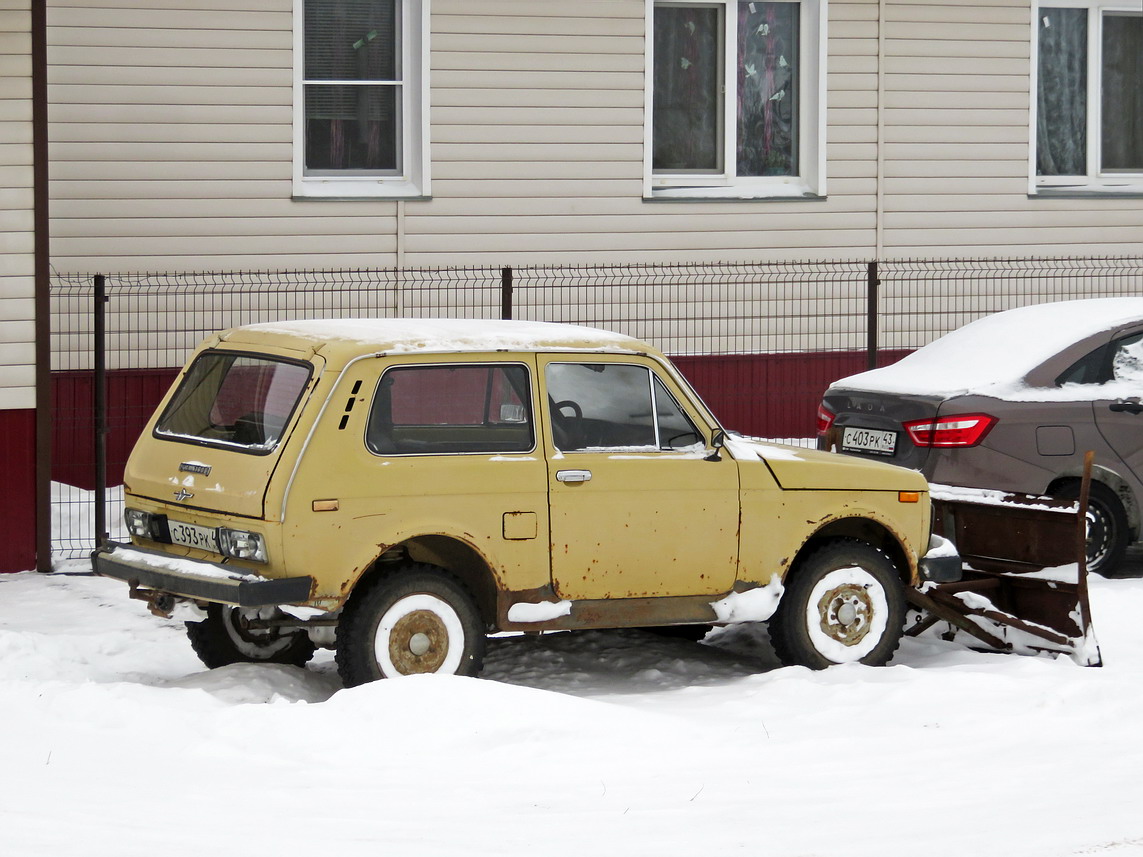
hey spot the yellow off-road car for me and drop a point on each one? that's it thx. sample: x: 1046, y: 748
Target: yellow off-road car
x: 399, y: 489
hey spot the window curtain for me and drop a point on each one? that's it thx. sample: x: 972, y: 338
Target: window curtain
x: 1061, y: 99
x: 351, y: 127
x: 767, y: 89
x: 1122, y: 108
x: 686, y: 101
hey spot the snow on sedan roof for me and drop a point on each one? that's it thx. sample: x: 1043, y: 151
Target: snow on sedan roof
x: 994, y: 353
x: 448, y: 334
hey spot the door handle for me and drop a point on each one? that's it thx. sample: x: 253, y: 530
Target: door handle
x: 573, y: 475
x: 1130, y: 407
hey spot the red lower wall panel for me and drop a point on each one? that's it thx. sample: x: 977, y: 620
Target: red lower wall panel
x: 18, y: 495
x: 131, y: 399
x: 772, y: 395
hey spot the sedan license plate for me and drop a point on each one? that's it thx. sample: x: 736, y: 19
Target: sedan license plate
x: 193, y: 536
x: 868, y: 440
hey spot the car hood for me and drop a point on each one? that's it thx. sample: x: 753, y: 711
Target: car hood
x: 797, y: 468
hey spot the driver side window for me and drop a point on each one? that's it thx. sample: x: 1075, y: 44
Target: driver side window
x: 614, y: 406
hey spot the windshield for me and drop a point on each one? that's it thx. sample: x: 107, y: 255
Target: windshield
x: 234, y: 400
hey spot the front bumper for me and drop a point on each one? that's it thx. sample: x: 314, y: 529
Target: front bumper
x: 942, y: 563
x: 198, y: 580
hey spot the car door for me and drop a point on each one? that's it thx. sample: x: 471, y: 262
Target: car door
x: 636, y: 507
x: 1118, y: 407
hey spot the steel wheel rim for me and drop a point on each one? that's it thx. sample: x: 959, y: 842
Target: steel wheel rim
x: 1100, y: 534
x: 419, y: 634
x: 847, y: 614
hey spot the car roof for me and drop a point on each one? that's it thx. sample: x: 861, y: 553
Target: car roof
x: 996, y: 353
x: 354, y: 336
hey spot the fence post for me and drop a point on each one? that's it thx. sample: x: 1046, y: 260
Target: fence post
x: 871, y: 307
x: 506, y: 293
x: 99, y: 403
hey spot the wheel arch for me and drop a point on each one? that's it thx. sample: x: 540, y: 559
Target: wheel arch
x: 864, y: 530
x: 1113, y: 482
x: 457, y: 557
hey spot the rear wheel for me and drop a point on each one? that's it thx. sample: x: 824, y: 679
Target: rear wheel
x: 1107, y: 531
x: 418, y: 619
x: 224, y: 638
x: 844, y: 604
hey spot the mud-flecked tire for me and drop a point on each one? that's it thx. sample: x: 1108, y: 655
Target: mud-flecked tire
x: 1107, y: 530
x: 220, y: 640
x: 416, y: 619
x: 845, y: 603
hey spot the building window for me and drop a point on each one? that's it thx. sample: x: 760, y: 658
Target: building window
x: 359, y: 105
x: 736, y: 99
x: 1089, y: 97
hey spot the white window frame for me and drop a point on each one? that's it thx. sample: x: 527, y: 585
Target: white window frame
x: 811, y: 182
x: 412, y: 181
x: 1095, y: 181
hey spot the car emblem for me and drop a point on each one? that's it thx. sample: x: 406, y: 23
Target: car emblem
x: 183, y: 494
x: 194, y: 467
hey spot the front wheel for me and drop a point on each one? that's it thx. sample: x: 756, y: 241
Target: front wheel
x: 844, y: 604
x: 225, y: 638
x: 418, y: 619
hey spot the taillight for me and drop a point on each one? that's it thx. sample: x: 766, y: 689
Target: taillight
x: 956, y: 430
x: 825, y: 419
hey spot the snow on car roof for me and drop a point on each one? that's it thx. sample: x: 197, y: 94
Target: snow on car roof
x: 448, y: 334
x: 994, y: 353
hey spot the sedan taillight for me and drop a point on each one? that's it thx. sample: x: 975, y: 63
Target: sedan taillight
x: 956, y: 430
x: 825, y: 419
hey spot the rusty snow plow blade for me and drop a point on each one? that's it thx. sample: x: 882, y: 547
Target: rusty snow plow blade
x: 1024, y: 588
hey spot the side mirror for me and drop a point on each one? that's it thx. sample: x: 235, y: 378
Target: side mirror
x: 717, y: 442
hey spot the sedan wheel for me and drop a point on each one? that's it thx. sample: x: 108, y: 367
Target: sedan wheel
x: 1107, y: 531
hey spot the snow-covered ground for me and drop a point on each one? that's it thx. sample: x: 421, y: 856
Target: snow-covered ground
x: 115, y: 741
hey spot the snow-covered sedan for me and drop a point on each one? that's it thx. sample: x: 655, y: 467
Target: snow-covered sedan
x: 1012, y: 402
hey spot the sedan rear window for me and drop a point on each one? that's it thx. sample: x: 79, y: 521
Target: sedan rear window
x: 235, y: 400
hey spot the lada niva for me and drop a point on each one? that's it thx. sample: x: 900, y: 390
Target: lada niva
x: 399, y: 489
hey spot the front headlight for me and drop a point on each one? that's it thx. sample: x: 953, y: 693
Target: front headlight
x: 242, y: 544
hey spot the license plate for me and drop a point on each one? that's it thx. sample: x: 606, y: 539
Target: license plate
x: 193, y: 536
x: 869, y: 440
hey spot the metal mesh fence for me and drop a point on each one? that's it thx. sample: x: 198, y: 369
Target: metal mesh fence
x: 759, y: 342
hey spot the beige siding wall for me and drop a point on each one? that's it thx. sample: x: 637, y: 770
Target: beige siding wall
x: 538, y: 147
x: 171, y: 144
x: 956, y: 143
x: 17, y: 316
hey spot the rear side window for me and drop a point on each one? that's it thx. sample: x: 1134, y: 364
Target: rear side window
x: 234, y: 400
x: 1121, y: 360
x: 432, y: 410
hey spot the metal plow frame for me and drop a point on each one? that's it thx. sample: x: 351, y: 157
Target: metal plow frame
x: 1019, y: 592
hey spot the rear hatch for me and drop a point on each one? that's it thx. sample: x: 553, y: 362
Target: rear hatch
x: 215, y: 442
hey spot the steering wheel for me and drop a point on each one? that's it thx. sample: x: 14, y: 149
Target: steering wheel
x: 574, y: 407
x: 691, y: 434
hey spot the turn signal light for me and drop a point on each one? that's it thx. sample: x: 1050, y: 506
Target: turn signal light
x: 959, y: 430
